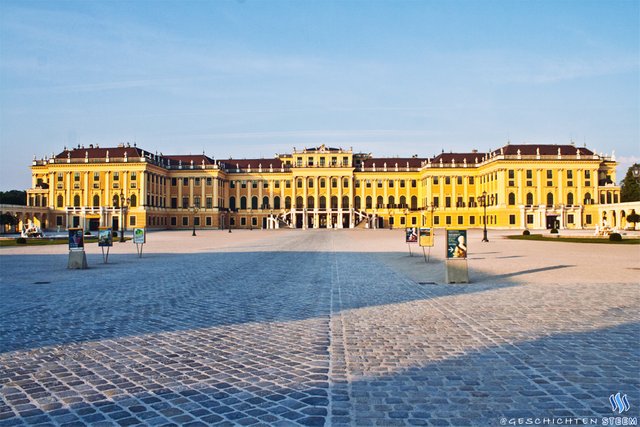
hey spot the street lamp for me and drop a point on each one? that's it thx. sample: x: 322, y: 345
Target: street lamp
x: 124, y: 203
x: 194, y: 209
x: 483, y: 200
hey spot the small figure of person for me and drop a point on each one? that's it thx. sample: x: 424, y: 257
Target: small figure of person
x: 461, y: 248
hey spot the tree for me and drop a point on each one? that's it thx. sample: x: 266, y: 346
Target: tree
x: 630, y: 191
x: 633, y: 217
x: 7, y: 219
x: 13, y: 197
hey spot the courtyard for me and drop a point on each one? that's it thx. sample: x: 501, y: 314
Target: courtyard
x: 317, y: 327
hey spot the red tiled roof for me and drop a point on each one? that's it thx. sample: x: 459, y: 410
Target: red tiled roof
x: 253, y: 163
x: 188, y: 158
x: 545, y: 150
x: 414, y: 162
x: 459, y: 158
x: 99, y: 153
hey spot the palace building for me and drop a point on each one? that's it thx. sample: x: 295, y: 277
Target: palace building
x: 518, y: 186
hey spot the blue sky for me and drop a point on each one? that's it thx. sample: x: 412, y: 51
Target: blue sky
x: 253, y: 78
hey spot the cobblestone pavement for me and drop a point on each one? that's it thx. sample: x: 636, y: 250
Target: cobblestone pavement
x: 316, y: 328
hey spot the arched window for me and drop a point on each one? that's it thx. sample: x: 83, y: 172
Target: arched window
x: 287, y: 202
x: 265, y: 202
x: 254, y: 202
x: 414, y: 203
x: 243, y: 202
x: 570, y: 199
x: 311, y: 202
x: 549, y: 199
x: 529, y: 199
x: 232, y: 203
x: 357, y: 202
x: 299, y: 202
x: 368, y: 202
x: 96, y: 200
x: 310, y: 182
x: 133, y: 201
x: 276, y: 202
x: 60, y: 201
x: 512, y: 199
x: 345, y: 202
x: 403, y: 201
x: 379, y: 202
x: 116, y: 201
x: 76, y: 200
x: 334, y: 202
x: 392, y: 201
x: 608, y: 197
x: 323, y: 202
x: 587, y: 199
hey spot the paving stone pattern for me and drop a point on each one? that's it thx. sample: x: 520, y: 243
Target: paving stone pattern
x: 296, y: 330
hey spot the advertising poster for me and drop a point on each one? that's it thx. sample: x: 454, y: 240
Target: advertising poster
x: 76, y: 238
x: 456, y: 243
x: 105, y: 237
x: 139, y: 236
x: 411, y: 235
x: 426, y: 237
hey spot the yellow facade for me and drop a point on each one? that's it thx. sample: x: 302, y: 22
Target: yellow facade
x: 526, y: 186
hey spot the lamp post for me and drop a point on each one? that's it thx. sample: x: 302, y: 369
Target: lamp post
x: 194, y: 209
x: 406, y: 218
x: 483, y: 200
x: 124, y: 202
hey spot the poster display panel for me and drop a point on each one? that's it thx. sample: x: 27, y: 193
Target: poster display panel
x: 76, y: 239
x: 411, y: 235
x: 457, y: 244
x: 105, y: 236
x: 426, y: 237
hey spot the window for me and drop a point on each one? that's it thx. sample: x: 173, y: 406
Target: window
x: 299, y: 183
x: 185, y: 202
x: 254, y: 202
x: 447, y: 180
x: 549, y: 178
x: 254, y: 184
x: 447, y: 202
x: 391, y: 183
x: 196, y: 201
x: 116, y: 176
x: 529, y: 178
x: 588, y: 218
x: 197, y: 182
x: 529, y: 219
x: 529, y: 199
x: 209, y: 181
x: 232, y: 221
x: 311, y: 183
x: 174, y: 202
x: 174, y: 221
x: 460, y: 220
x: 132, y: 220
x: 254, y: 221
x: 369, y: 202
x: 334, y: 161
x: 287, y: 184
x: 209, y: 202
x: 345, y: 183
x: 60, y: 177
x: 265, y: 184
x: 379, y: 183
x: 414, y: 183
x: 322, y: 162
x: 435, y: 180
x: 345, y: 161
x: 570, y: 218
x: 196, y: 221
x: 208, y: 221
x: 459, y: 180
x: 368, y: 183
x: 96, y: 176
x: 265, y: 203
x: 447, y: 220
x: 76, y: 200
x: 570, y: 199
x: 185, y: 182
x: 436, y: 201
x: 60, y: 201
x: 549, y: 199
x: 436, y: 220
x: 133, y: 201
x: 587, y: 199
x: 276, y: 202
x: 512, y: 199
x: 232, y: 184
x: 512, y: 220
x: 357, y: 184
x: 472, y: 220
x: 185, y: 221
x: 402, y: 183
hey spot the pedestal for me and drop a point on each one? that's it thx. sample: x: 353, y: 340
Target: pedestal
x: 77, y: 260
x: 456, y: 271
